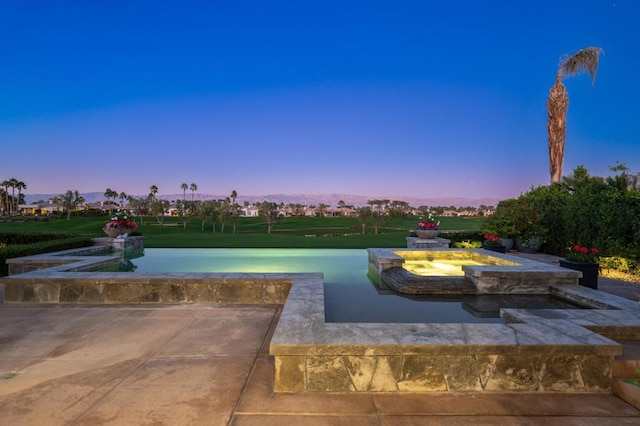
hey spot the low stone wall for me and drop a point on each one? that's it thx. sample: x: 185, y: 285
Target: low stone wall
x: 36, y: 262
x: 500, y: 273
x: 61, y: 277
x: 110, y: 288
x: 538, y: 350
x: 121, y: 244
x: 445, y: 372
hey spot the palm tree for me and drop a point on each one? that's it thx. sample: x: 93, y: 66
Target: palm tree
x: 71, y: 200
x: 234, y: 210
x: 184, y: 188
x: 193, y: 188
x: 20, y: 186
x: 364, y: 214
x: 12, y: 183
x: 322, y: 208
x: 154, y: 191
x: 123, y: 196
x: 6, y: 184
x: 109, y: 194
x: 558, y: 104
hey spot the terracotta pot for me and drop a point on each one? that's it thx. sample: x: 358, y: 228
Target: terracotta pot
x: 427, y: 234
x: 589, y: 272
x: 115, y: 232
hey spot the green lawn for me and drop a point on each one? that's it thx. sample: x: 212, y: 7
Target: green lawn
x: 252, y: 232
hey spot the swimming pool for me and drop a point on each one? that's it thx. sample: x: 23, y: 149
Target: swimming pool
x: 349, y: 295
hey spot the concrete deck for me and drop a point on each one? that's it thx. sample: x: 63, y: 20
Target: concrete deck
x: 209, y: 365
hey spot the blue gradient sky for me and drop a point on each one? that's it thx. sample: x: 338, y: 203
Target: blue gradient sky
x: 407, y: 98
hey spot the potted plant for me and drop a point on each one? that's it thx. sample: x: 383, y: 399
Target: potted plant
x: 428, y: 228
x: 502, y: 222
x: 528, y: 226
x: 494, y: 243
x: 120, y: 225
x: 583, y: 259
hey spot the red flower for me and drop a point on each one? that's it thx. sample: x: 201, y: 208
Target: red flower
x: 580, y: 253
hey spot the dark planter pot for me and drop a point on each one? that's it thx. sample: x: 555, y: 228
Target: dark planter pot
x: 507, y: 242
x: 499, y: 249
x: 532, y: 245
x: 589, y: 272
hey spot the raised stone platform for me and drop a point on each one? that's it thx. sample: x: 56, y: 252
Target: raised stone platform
x: 121, y: 244
x: 498, y: 274
x: 415, y: 242
x: 539, y: 351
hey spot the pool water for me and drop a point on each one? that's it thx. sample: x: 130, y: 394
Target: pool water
x: 447, y: 267
x: 349, y: 295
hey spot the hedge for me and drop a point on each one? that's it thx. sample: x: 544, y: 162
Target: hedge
x: 20, y: 245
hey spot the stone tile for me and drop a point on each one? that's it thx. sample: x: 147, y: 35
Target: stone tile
x: 227, y: 332
x: 505, y: 421
x: 123, y: 339
x: 60, y: 400
x: 176, y: 391
x: 516, y: 404
x: 43, y: 331
x: 313, y: 420
x: 259, y: 398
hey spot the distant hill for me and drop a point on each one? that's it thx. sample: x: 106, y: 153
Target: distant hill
x: 304, y: 199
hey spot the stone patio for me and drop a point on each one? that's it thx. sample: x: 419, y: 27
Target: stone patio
x: 210, y: 364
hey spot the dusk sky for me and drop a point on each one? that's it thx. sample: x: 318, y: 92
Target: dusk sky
x: 376, y: 98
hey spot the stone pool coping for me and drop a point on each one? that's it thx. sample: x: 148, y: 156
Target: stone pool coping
x: 507, y: 274
x: 63, y: 277
x: 545, y: 350
x: 536, y: 350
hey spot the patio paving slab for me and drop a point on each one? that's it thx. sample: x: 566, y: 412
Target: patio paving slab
x: 209, y: 365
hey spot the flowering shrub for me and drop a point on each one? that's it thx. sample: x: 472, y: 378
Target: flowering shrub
x: 579, y: 253
x: 120, y: 221
x: 492, y: 240
x: 428, y: 223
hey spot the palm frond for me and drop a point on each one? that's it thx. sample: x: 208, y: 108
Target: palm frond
x: 584, y: 60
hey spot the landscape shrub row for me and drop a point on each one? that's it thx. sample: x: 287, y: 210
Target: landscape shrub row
x: 30, y: 244
x: 587, y: 210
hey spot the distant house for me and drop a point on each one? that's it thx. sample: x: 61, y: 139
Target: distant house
x: 250, y: 211
x: 41, y: 209
x: 342, y: 212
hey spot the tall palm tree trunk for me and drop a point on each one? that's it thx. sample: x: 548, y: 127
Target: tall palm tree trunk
x: 557, y: 107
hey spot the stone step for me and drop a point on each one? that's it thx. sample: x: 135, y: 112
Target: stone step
x: 627, y: 392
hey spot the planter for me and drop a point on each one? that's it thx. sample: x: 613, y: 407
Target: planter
x: 499, y: 249
x: 116, y: 232
x: 531, y: 245
x: 427, y: 234
x: 589, y: 272
x: 507, y: 243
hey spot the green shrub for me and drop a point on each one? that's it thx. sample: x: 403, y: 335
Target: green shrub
x: 32, y: 245
x: 586, y: 210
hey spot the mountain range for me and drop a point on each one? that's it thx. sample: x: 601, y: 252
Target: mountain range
x: 304, y: 199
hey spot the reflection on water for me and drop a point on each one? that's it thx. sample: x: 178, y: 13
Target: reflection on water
x: 348, y: 293
x: 440, y: 267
